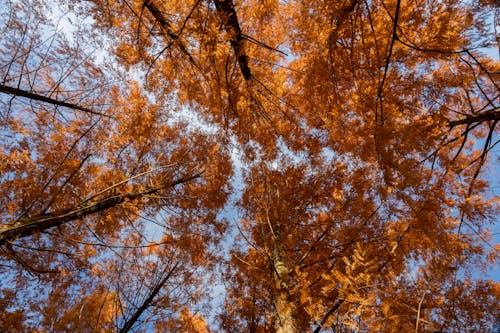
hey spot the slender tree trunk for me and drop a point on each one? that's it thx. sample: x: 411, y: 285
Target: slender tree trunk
x: 284, y: 321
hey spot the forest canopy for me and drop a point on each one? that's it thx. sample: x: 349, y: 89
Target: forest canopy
x: 249, y: 166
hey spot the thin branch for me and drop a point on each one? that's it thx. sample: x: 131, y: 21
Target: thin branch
x: 387, y: 63
x: 257, y: 42
x: 129, y: 179
x: 328, y: 314
x: 167, y: 29
x: 30, y: 269
x: 483, y: 155
x: 419, y: 311
x: 147, y: 302
x: 247, y: 263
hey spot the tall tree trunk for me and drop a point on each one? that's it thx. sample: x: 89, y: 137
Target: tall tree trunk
x: 284, y: 313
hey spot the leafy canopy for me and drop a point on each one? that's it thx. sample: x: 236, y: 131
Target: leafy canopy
x: 321, y: 162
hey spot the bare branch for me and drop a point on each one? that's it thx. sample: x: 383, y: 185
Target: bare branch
x: 387, y: 64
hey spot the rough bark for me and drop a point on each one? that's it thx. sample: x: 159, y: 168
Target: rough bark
x: 284, y: 321
x: 37, y: 223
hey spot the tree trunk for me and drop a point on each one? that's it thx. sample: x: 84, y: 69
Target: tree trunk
x: 284, y: 313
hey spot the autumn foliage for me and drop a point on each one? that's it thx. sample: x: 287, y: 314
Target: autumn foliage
x: 248, y: 166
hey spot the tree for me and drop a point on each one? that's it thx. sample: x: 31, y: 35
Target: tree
x: 339, y: 135
x: 87, y: 161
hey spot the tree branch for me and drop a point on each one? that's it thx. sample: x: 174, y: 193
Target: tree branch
x: 37, y: 97
x: 493, y: 114
x: 37, y: 223
x: 147, y: 302
x: 165, y: 25
x: 386, y: 68
x: 232, y: 26
x: 29, y: 225
x: 167, y: 29
x: 328, y: 314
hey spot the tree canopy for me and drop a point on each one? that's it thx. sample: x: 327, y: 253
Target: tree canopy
x: 248, y: 166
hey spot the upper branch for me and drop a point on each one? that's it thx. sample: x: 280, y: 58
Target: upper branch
x: 29, y: 225
x: 338, y: 22
x: 379, y: 108
x: 167, y: 29
x: 232, y: 26
x: 165, y: 25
